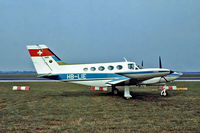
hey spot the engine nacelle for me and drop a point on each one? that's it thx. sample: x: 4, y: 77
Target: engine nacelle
x: 152, y: 81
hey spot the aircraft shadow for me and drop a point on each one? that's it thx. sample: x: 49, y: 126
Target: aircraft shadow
x: 144, y: 96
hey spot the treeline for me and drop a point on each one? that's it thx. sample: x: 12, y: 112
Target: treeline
x: 17, y: 72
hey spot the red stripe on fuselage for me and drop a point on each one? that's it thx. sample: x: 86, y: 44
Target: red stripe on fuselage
x: 40, y: 52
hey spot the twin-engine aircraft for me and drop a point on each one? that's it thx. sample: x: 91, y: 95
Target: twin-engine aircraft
x: 98, y: 75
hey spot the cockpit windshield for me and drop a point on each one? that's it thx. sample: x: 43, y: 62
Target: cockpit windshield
x: 134, y: 67
x: 139, y: 66
x: 130, y: 66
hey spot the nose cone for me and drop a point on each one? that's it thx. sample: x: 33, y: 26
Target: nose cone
x: 171, y: 71
x: 175, y: 73
x: 173, y: 76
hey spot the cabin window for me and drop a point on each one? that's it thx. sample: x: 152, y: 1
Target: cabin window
x: 130, y: 66
x: 85, y: 69
x: 119, y: 67
x: 101, y: 68
x: 92, y: 68
x: 110, y: 67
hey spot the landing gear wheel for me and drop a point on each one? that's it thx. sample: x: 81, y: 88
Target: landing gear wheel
x: 115, y: 91
x: 164, y: 93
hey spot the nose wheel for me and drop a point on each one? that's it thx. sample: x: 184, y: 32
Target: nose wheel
x: 163, y: 93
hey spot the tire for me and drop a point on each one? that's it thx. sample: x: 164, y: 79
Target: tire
x: 164, y: 93
x: 115, y: 91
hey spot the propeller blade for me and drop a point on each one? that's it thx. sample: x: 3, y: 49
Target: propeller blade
x: 160, y: 62
x: 142, y: 63
x: 165, y: 79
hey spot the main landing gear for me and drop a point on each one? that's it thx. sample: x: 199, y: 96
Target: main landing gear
x: 115, y: 91
x: 127, y: 95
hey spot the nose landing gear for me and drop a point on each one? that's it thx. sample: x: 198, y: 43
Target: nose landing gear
x: 164, y: 93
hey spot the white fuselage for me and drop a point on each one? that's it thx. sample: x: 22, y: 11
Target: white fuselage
x: 100, y: 73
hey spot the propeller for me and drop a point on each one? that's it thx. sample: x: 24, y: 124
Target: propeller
x: 142, y: 63
x: 165, y: 79
x: 160, y: 62
x: 160, y: 66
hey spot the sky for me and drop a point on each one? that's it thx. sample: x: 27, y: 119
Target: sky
x: 91, y: 31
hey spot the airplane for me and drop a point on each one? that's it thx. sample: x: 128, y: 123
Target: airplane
x: 99, y: 75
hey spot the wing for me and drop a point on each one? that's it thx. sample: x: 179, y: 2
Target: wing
x: 118, y: 80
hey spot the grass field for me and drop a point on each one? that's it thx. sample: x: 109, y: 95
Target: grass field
x: 65, y: 107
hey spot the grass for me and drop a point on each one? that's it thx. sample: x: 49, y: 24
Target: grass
x: 65, y: 107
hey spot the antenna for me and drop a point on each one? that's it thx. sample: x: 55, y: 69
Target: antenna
x: 125, y: 59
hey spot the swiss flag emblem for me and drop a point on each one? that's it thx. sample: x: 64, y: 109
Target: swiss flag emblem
x: 40, y: 52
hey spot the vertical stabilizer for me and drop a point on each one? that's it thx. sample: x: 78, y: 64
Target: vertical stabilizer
x: 44, y: 60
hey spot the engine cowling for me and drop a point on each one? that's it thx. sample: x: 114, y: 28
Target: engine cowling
x: 153, y: 81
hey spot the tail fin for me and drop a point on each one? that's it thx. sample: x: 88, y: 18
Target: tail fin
x: 44, y: 60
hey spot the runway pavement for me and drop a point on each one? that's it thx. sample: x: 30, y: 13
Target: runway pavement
x: 184, y: 79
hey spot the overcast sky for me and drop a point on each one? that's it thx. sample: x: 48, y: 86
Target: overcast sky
x: 87, y: 31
